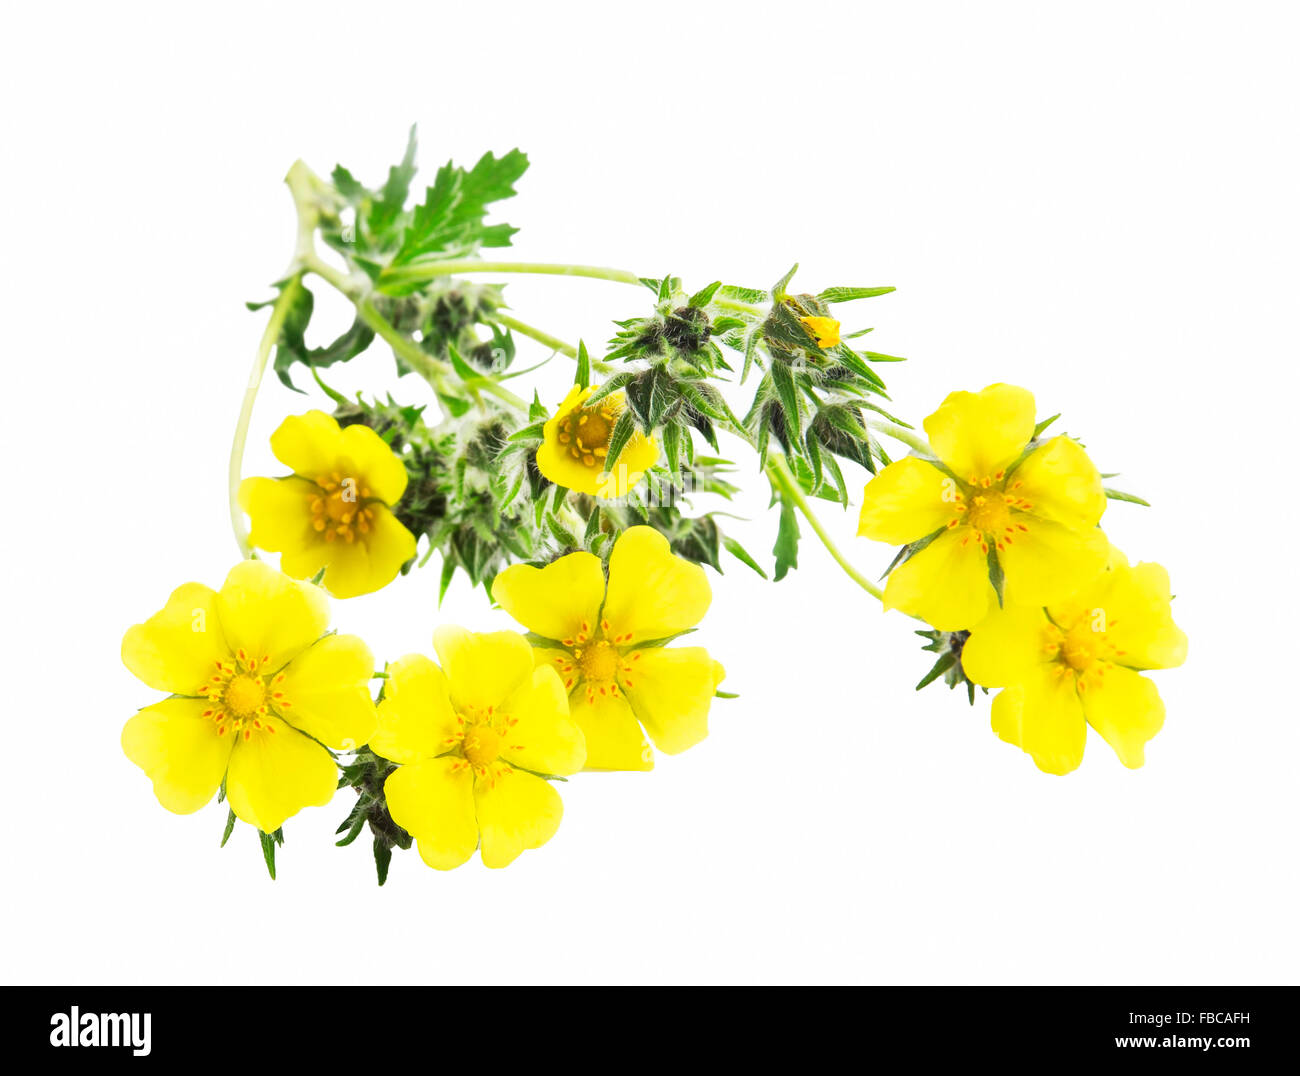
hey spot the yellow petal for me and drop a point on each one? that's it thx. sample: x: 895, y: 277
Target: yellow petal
x: 1061, y: 483
x: 276, y: 772
x: 1047, y: 561
x: 672, y: 688
x: 309, y: 445
x: 906, y: 501
x: 325, y: 692
x: 541, y: 736
x: 434, y: 802
x: 1005, y: 646
x: 416, y: 719
x: 652, y: 593
x: 1125, y: 708
x: 979, y: 434
x: 614, y: 739
x: 1138, y: 618
x: 367, y: 458
x: 946, y: 584
x: 826, y: 331
x: 372, y: 561
x: 637, y: 457
x: 485, y: 669
x: 515, y: 811
x: 559, y: 601
x: 270, y: 616
x: 177, y: 650
x: 279, y: 513
x: 1044, y: 718
x: 557, y: 463
x: 180, y: 752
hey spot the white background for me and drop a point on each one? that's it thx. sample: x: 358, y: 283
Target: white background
x: 1095, y: 201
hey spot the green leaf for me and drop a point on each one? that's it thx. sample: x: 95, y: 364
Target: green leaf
x: 1044, y: 424
x: 449, y: 222
x: 1132, y: 498
x: 783, y: 382
x: 778, y: 289
x: 383, y: 858
x: 268, y: 851
x: 741, y: 554
x: 845, y: 295
x: 583, y: 377
x: 705, y: 295
x: 618, y: 439
x: 230, y: 828
x: 787, y: 541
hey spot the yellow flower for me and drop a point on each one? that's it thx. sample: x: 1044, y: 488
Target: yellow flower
x: 333, y: 511
x: 255, y: 684
x: 470, y: 738
x: 595, y: 640
x: 982, y: 502
x: 1077, y: 663
x: 826, y: 331
x: 575, y: 442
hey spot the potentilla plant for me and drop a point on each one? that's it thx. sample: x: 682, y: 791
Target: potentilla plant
x: 576, y: 516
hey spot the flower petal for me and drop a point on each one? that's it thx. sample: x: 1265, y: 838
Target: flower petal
x: 559, y: 601
x: 652, y: 593
x: 1061, y: 483
x: 1125, y: 708
x: 415, y: 718
x: 177, y: 649
x: 1047, y: 561
x: 978, y: 434
x: 370, y: 563
x: 637, y: 457
x: 368, y: 458
x: 180, y: 751
x: 1139, y: 620
x: 906, y: 501
x: 1004, y: 648
x: 275, y: 772
x: 325, y: 692
x: 614, y: 739
x: 946, y: 583
x: 309, y: 445
x: 541, y: 735
x: 1044, y: 718
x: 671, y: 690
x: 433, y: 800
x: 270, y: 616
x: 279, y: 513
x: 515, y: 811
x: 483, y: 669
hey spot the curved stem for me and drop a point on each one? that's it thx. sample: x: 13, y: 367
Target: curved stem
x: 777, y: 468
x: 524, y: 329
x: 432, y: 370
x: 269, y: 337
x: 736, y: 304
x: 898, y: 433
x: 406, y: 274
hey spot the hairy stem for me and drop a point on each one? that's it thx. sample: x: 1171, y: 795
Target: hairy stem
x: 898, y: 433
x: 269, y: 337
x: 776, y: 467
x: 407, y: 274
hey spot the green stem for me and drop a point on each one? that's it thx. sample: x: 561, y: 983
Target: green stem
x: 524, y: 329
x: 432, y: 370
x: 736, y: 304
x: 269, y: 337
x: 777, y: 468
x: 405, y: 274
x: 898, y: 433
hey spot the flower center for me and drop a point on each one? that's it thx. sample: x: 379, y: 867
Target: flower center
x: 482, y: 744
x: 989, y: 513
x: 238, y: 696
x: 244, y: 694
x: 598, y: 662
x: 338, y: 508
x: 585, y: 433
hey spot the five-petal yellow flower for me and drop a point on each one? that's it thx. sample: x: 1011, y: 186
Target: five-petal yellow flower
x: 471, y: 738
x: 333, y: 511
x: 254, y: 684
x: 575, y: 444
x: 1077, y: 663
x: 989, y: 495
x: 596, y: 636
